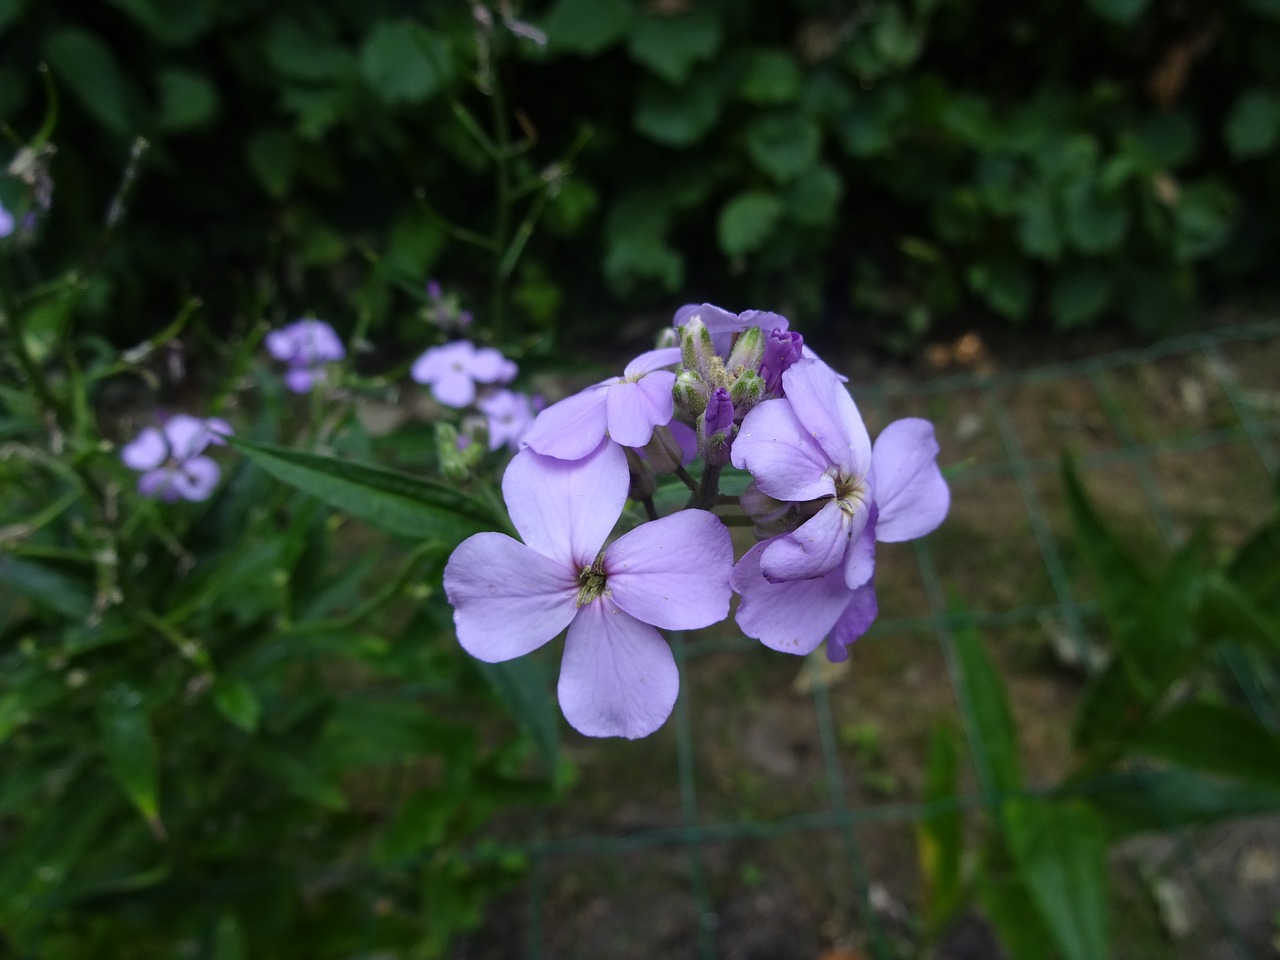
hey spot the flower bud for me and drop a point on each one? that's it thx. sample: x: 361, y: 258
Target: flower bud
x: 781, y: 350
x: 747, y: 351
x: 669, y: 337
x: 696, y: 349
x: 643, y: 480
x: 746, y: 392
x: 663, y: 450
x: 451, y: 449
x: 690, y: 394
x: 718, y: 416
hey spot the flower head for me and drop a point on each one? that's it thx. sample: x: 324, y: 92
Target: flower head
x: 453, y: 370
x: 306, y: 346
x: 6, y: 222
x: 170, y: 458
x: 626, y: 409
x: 618, y: 676
x: 509, y: 414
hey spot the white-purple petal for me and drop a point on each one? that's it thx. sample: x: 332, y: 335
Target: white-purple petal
x: 793, y: 616
x: 911, y: 495
x: 773, y: 446
x: 618, y: 677
x: 186, y: 436
x: 829, y: 415
x: 652, y: 360
x: 564, y: 509
x: 634, y: 408
x: 453, y: 388
x: 301, y: 379
x: 146, y: 451
x: 159, y: 483
x: 572, y: 428
x: 815, y: 548
x: 195, y: 478
x: 860, y: 559
x: 507, y: 598
x: 853, y: 623
x: 673, y: 572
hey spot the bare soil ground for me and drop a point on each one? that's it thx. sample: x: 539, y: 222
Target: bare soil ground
x: 1166, y: 445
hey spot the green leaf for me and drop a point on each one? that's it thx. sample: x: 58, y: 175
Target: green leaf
x: 187, y: 100
x: 636, y: 249
x: 1005, y: 285
x: 1096, y: 222
x: 297, y: 53
x: 896, y: 42
x: 984, y: 704
x: 174, y: 22
x: 940, y: 834
x: 783, y: 144
x: 45, y: 587
x: 1252, y: 128
x: 1255, y: 568
x: 1060, y: 851
x: 813, y: 198
x: 1226, y: 613
x: 294, y: 773
x: 588, y: 27
x: 523, y: 685
x: 1203, y: 218
x: 403, y: 62
x: 1039, y: 231
x: 130, y: 748
x: 1119, y: 11
x: 1079, y: 293
x: 397, y: 502
x: 746, y: 222
x: 1167, y: 140
x: 1138, y: 801
x: 1214, y: 739
x: 773, y: 78
x: 421, y: 822
x: 270, y: 154
x: 676, y: 117
x: 237, y: 702
x: 1008, y: 905
x: 670, y: 46
x: 91, y: 72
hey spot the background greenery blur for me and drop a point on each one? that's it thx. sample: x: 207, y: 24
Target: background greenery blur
x: 1057, y: 163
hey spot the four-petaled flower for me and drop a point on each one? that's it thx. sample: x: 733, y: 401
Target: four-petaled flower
x: 170, y: 458
x: 618, y: 676
x: 626, y: 409
x: 509, y: 414
x: 306, y: 345
x: 453, y: 370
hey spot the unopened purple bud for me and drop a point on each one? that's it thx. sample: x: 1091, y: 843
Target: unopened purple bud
x: 782, y: 348
x: 718, y: 417
x: 644, y: 483
x: 663, y: 450
x: 434, y: 290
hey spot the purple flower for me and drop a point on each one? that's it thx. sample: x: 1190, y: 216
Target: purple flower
x: 618, y: 676
x: 814, y: 446
x: 453, y: 370
x: 306, y: 345
x: 719, y: 413
x: 510, y: 415
x: 626, y: 409
x: 782, y: 349
x: 6, y: 222
x: 724, y: 326
x: 170, y: 458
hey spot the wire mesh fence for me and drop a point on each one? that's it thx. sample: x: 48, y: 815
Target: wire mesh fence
x: 776, y: 811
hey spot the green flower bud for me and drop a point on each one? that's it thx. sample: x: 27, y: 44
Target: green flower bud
x: 747, y: 351
x: 663, y: 451
x: 690, y: 394
x: 696, y: 349
x: 746, y: 392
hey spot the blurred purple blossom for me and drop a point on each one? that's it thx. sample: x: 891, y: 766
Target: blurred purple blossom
x: 510, y: 415
x: 170, y: 458
x: 6, y: 222
x: 306, y: 346
x: 453, y: 370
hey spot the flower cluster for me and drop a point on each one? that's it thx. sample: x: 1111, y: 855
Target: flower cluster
x: 307, y: 347
x: 741, y: 391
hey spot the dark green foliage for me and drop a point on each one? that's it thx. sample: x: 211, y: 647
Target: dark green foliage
x: 1059, y: 162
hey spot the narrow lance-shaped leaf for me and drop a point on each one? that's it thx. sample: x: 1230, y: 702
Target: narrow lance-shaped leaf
x: 131, y: 751
x: 398, y: 502
x: 1215, y: 739
x: 940, y: 834
x: 988, y: 720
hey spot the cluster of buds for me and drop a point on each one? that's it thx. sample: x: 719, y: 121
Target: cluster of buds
x: 728, y: 364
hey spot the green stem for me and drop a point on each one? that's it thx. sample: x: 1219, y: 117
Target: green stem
x: 708, y: 489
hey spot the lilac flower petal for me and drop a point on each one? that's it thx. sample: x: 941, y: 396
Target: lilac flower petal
x: 564, y: 509
x: 280, y: 344
x: 687, y: 438
x: 634, y: 408
x: 507, y: 598
x: 829, y: 415
x: 195, y: 479
x: 487, y: 365
x: 219, y: 430
x: 454, y: 388
x: 158, y: 483
x: 301, y: 379
x: 911, y: 495
x: 673, y: 572
x: 186, y: 435
x: 817, y: 547
x: 860, y: 558
x: 573, y: 427
x: 434, y: 363
x: 618, y: 677
x: 651, y: 361
x: 774, y: 447
x: 853, y: 623
x: 793, y: 616
x: 721, y: 324
x: 146, y: 452
x: 766, y: 321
